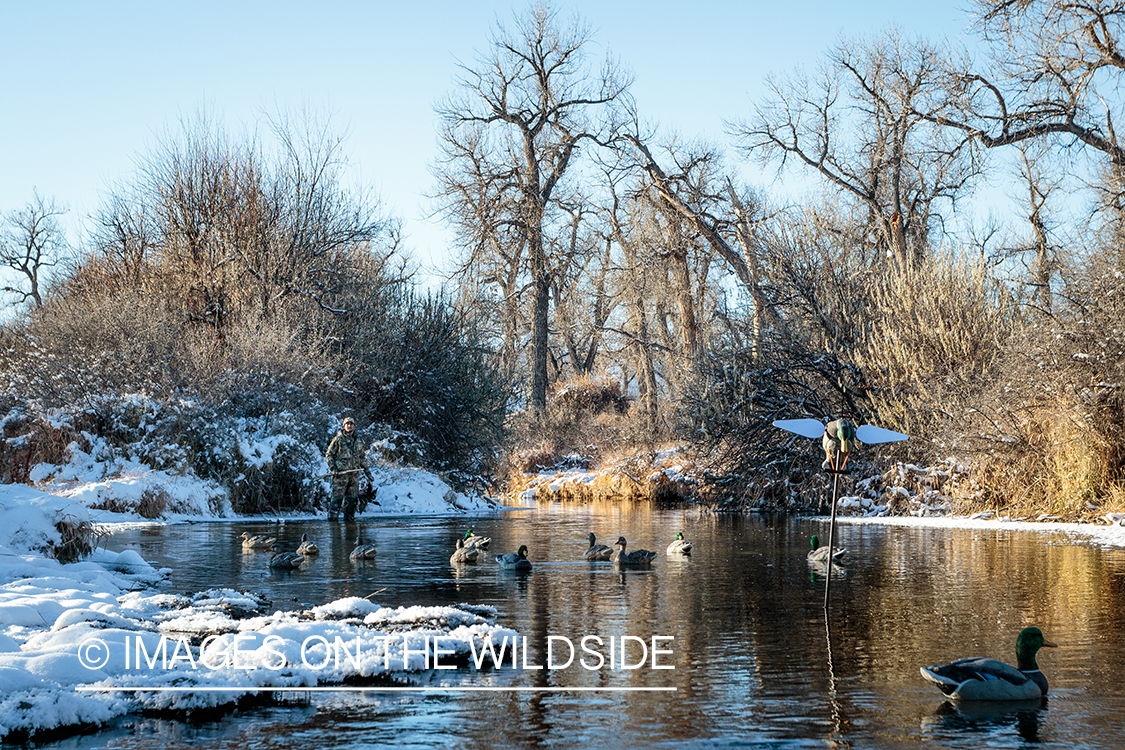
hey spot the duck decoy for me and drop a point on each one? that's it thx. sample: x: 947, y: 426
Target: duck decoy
x: 979, y: 679
x: 836, y: 437
x: 307, y: 547
x: 679, y: 545
x: 362, y: 551
x: 636, y: 557
x: 515, y: 560
x: 597, y: 551
x: 463, y: 554
x: 285, y: 560
x: 479, y: 542
x: 256, y: 542
x: 819, y: 554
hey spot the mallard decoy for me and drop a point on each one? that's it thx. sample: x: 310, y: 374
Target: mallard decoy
x: 636, y: 557
x: 479, y: 542
x: 285, y: 560
x: 836, y: 437
x: 515, y: 560
x: 837, y: 441
x: 463, y: 554
x: 362, y: 551
x: 979, y: 679
x: 819, y: 554
x: 679, y: 545
x: 597, y: 551
x: 256, y: 542
x: 307, y: 547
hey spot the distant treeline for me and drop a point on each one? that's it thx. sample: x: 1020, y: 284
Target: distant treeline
x: 594, y: 249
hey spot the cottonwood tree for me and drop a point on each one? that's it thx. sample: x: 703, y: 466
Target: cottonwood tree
x: 510, y: 134
x: 865, y: 125
x: 1055, y: 72
x: 30, y: 244
x: 579, y: 288
x: 689, y: 186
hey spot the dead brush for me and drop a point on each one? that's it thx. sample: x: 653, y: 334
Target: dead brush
x: 1057, y: 465
x: 534, y: 460
x: 77, y: 539
x: 40, y: 443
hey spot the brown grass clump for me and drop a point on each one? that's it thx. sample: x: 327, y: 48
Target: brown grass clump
x: 534, y: 460
x: 30, y: 441
x: 628, y: 478
x: 153, y: 502
x: 78, y: 538
x: 1059, y: 466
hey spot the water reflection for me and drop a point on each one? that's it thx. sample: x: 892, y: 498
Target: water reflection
x: 985, y: 719
x: 755, y: 659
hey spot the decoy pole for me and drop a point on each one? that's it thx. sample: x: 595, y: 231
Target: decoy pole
x: 832, y: 527
x: 813, y: 428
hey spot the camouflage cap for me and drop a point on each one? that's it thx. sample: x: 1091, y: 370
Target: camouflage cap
x: 348, y: 420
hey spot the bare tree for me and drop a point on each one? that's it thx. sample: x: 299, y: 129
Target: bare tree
x: 225, y: 231
x: 696, y: 189
x: 1058, y: 66
x: 510, y: 134
x: 32, y: 242
x: 866, y: 128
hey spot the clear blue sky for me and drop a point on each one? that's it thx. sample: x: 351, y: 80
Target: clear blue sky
x: 87, y: 86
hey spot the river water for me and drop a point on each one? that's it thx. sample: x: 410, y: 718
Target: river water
x: 757, y: 662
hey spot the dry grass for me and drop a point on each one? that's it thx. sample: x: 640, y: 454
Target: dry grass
x: 33, y: 441
x: 636, y: 476
x: 153, y: 502
x: 78, y: 539
x: 936, y: 332
x: 1060, y: 466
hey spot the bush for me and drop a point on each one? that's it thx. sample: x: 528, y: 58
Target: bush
x: 428, y: 373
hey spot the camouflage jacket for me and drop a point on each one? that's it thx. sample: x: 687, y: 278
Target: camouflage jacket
x: 345, y: 453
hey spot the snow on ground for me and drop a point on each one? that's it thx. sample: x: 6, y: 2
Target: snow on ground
x: 118, y: 483
x: 69, y: 633
x: 399, y: 490
x: 1105, y: 536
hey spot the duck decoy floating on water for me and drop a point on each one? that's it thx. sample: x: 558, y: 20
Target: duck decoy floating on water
x: 597, y: 551
x: 479, y: 542
x: 256, y: 542
x: 819, y: 554
x: 285, y: 560
x: 515, y: 560
x: 679, y: 545
x: 979, y: 679
x: 464, y: 554
x: 307, y: 547
x: 636, y: 557
x: 836, y: 437
x: 362, y: 551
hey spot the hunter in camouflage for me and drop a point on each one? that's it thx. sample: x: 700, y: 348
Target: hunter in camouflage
x: 346, y: 459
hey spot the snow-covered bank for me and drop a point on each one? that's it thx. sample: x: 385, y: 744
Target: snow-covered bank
x: 133, y: 457
x: 1081, y: 533
x: 123, y: 498
x: 70, y: 633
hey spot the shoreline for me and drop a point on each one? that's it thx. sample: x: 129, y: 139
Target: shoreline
x: 1107, y: 536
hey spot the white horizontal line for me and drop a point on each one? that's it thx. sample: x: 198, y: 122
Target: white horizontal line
x: 342, y: 689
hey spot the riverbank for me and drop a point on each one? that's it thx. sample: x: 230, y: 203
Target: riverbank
x: 899, y: 490
x: 87, y: 641
x: 79, y: 639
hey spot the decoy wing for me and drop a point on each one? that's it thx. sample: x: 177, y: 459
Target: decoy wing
x: 871, y: 434
x: 814, y: 428
x: 810, y: 428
